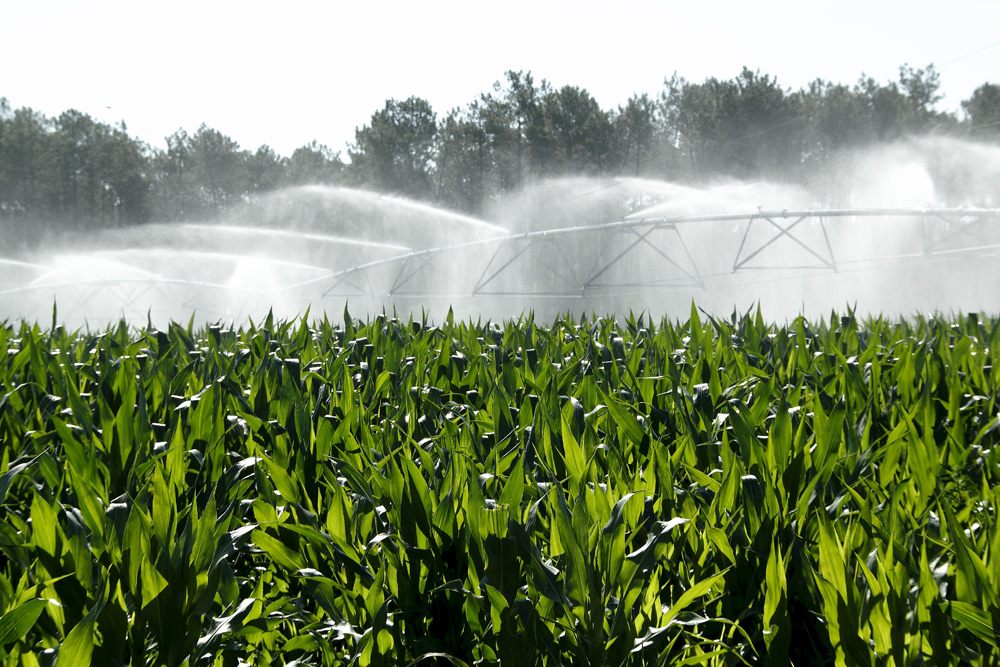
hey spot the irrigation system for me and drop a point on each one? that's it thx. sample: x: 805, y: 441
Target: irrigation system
x: 637, y: 255
x: 618, y: 243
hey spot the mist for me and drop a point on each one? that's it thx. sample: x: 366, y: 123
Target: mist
x: 551, y: 248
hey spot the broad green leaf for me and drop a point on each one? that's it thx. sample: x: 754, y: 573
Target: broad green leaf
x: 153, y: 583
x: 624, y: 419
x: 276, y: 549
x: 975, y: 620
x: 44, y: 525
x: 576, y: 462
x: 513, y: 490
x: 282, y: 481
x: 16, y: 623
x: 78, y: 647
x: 617, y: 514
x: 576, y: 553
x: 8, y: 477
x: 690, y: 595
x: 776, y: 619
x: 779, y: 443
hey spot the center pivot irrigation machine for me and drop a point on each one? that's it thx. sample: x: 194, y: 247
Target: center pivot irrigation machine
x: 590, y: 266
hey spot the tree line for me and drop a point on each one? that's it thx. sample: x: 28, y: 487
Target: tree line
x: 74, y: 171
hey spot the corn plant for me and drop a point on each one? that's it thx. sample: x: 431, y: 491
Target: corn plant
x: 594, y: 491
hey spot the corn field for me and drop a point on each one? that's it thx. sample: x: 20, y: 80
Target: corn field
x: 720, y: 491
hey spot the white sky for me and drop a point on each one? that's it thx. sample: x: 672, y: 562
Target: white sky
x: 287, y: 73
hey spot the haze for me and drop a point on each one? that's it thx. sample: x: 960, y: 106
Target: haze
x: 302, y: 71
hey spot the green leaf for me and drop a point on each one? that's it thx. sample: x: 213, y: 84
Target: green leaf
x: 498, y: 604
x: 420, y: 497
x: 164, y: 510
x: 616, y: 514
x: 642, y: 560
x: 690, y: 595
x: 438, y: 656
x: 625, y: 420
x: 576, y: 553
x: 16, y: 623
x: 8, y: 477
x: 78, y: 647
x: 44, y: 525
x: 224, y: 625
x: 975, y: 620
x: 780, y: 439
x: 718, y: 538
x: 776, y: 619
x: 970, y: 567
x: 153, y: 583
x: 282, y: 481
x: 279, y: 553
x: 204, y: 539
x: 576, y: 462
x: 513, y: 490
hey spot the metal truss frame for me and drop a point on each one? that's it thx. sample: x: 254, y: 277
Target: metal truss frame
x: 506, y: 254
x: 786, y: 231
x: 957, y: 223
x: 667, y: 263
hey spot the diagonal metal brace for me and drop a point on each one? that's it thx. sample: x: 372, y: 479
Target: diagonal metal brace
x: 963, y: 228
x: 784, y: 232
x: 483, y: 280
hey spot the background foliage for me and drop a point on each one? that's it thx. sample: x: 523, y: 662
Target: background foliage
x: 74, y: 171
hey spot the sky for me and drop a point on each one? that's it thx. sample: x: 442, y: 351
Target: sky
x: 286, y: 74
